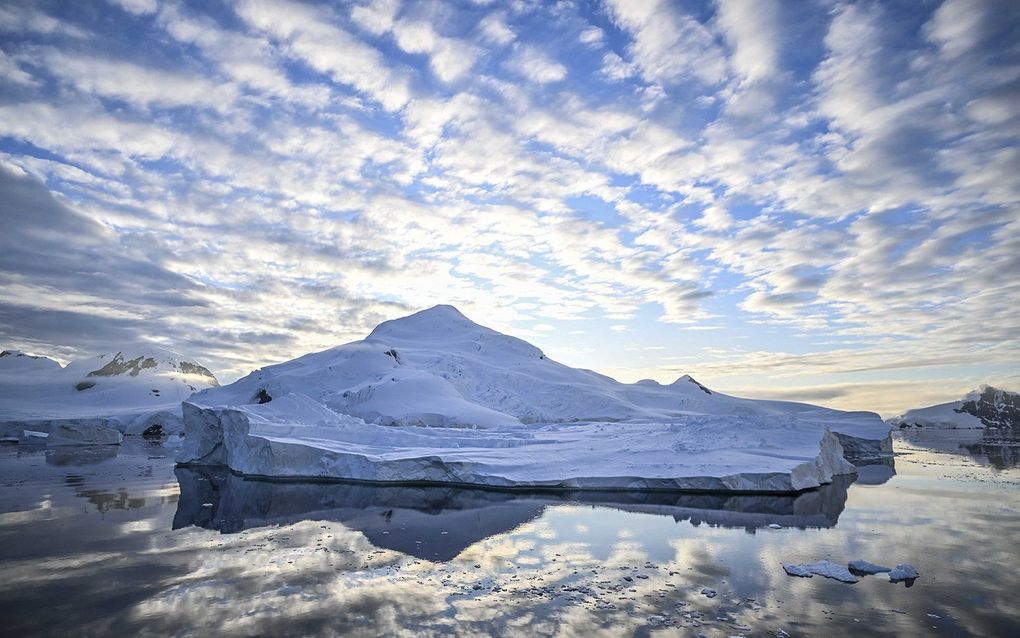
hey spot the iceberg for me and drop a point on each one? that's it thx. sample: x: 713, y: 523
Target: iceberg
x: 436, y: 398
x: 83, y: 433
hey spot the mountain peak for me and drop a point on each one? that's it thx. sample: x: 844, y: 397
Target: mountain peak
x: 689, y: 379
x: 442, y: 319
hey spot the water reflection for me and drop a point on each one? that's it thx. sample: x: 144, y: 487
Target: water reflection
x: 876, y: 471
x: 316, y: 559
x: 83, y: 455
x: 1000, y: 449
x: 992, y: 447
x: 438, y: 523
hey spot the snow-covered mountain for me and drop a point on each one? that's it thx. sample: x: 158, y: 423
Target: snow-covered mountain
x: 986, y: 407
x: 502, y: 413
x: 439, y: 368
x: 129, y: 389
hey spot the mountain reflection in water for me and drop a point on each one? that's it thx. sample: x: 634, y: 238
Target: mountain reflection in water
x: 438, y: 522
x: 993, y: 447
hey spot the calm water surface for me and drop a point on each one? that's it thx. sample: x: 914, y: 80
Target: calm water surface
x: 119, y: 542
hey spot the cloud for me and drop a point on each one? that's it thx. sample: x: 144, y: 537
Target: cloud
x: 449, y: 58
x: 842, y: 185
x: 137, y: 7
x: 312, y: 35
x: 668, y: 45
x: 752, y: 29
x: 592, y: 36
x: 531, y: 63
x: 19, y: 18
x: 377, y: 16
x: 139, y: 85
x: 65, y: 275
x: 495, y: 29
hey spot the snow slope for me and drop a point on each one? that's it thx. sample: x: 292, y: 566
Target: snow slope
x: 128, y: 391
x: 500, y: 413
x: 984, y: 407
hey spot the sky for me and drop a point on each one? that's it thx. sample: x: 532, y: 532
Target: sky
x: 809, y: 200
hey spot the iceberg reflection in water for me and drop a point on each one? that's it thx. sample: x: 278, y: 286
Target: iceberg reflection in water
x: 438, y: 522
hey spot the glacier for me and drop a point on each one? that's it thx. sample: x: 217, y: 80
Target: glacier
x: 436, y: 398
x: 134, y: 390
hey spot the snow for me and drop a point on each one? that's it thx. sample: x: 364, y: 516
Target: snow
x: 944, y: 416
x: 984, y: 407
x: 903, y: 572
x: 434, y: 397
x: 32, y: 437
x: 83, y: 433
x: 129, y: 391
x: 864, y: 567
x: 824, y: 568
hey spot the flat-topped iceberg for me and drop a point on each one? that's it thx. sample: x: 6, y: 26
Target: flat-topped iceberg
x: 436, y: 398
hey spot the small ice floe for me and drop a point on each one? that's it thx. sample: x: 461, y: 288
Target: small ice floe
x: 903, y: 572
x: 866, y: 568
x: 33, y: 437
x: 207, y: 504
x: 824, y: 568
x: 775, y: 526
x: 709, y: 593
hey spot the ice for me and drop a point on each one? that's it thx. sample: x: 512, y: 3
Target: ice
x: 83, y: 433
x: 821, y: 568
x: 32, y: 437
x: 903, y: 572
x: 134, y: 390
x: 437, y: 398
x: 864, y: 567
x: 797, y: 570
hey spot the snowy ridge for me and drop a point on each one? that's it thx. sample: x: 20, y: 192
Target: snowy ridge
x: 128, y: 390
x: 986, y: 407
x: 500, y: 413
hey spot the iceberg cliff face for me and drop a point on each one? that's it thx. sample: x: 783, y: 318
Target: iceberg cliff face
x: 437, y: 398
x: 132, y: 390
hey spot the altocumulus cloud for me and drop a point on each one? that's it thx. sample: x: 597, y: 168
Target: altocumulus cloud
x: 830, y: 188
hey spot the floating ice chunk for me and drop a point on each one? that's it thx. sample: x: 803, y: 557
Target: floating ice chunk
x: 775, y: 526
x: 33, y: 437
x: 824, y: 568
x: 72, y: 433
x: 864, y: 567
x: 903, y: 572
x: 796, y: 570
